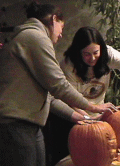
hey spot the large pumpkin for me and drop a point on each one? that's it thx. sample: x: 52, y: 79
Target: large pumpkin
x: 114, y: 121
x: 92, y: 144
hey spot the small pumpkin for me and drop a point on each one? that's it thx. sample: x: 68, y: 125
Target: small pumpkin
x: 114, y: 121
x: 92, y: 144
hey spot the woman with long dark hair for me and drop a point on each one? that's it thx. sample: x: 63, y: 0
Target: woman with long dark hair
x: 87, y: 64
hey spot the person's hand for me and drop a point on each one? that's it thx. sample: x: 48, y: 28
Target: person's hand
x: 118, y: 107
x: 105, y: 115
x: 76, y: 117
x: 101, y: 108
x: 82, y: 112
x: 97, y: 117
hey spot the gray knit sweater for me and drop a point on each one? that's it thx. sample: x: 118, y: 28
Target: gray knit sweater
x: 28, y: 70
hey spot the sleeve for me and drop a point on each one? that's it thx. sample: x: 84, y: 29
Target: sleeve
x: 114, y: 56
x: 39, y: 55
x: 61, y: 109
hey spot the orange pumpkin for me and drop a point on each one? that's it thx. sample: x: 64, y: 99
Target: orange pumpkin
x: 114, y: 121
x: 92, y: 144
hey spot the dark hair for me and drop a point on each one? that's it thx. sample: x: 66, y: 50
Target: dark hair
x: 44, y: 12
x: 83, y: 37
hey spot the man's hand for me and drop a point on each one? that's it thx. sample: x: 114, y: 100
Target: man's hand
x: 76, y: 117
x: 82, y: 112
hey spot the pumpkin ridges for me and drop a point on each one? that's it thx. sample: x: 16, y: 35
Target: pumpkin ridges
x: 113, y: 146
x: 110, y: 150
x: 101, y: 152
x: 94, y: 148
x: 114, y: 121
x: 82, y: 153
x: 89, y: 148
x: 81, y: 134
x: 104, y: 153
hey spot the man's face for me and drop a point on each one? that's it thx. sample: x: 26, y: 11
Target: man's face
x: 58, y: 26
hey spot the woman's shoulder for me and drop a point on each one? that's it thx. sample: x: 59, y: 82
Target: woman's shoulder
x: 111, y: 50
x: 114, y: 57
x: 66, y: 64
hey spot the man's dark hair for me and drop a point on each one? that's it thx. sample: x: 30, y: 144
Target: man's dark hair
x: 42, y: 11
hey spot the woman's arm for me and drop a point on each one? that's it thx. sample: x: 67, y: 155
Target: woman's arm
x: 114, y: 55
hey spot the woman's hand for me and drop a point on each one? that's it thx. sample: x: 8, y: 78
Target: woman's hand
x: 101, y: 108
x: 78, y: 114
x: 106, y: 114
x: 97, y: 117
x: 118, y: 107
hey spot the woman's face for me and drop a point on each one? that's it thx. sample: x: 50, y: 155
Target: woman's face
x: 91, y: 54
